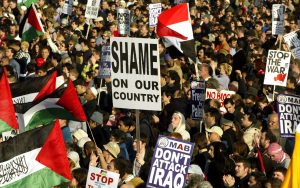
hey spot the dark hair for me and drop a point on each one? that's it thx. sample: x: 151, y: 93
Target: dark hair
x: 126, y: 120
x: 241, y: 148
x: 80, y: 174
x: 243, y: 160
x: 270, y: 136
x: 280, y: 169
x: 201, y: 140
x: 215, y: 113
x: 124, y: 166
x: 119, y: 135
x: 229, y: 100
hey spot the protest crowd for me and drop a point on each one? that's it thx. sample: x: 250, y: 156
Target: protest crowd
x: 237, y: 140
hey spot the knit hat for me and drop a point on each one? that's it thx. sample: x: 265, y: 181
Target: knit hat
x: 79, y: 134
x: 215, y: 129
x: 75, y: 158
x: 113, y: 148
x: 195, y: 169
x: 275, y: 150
x: 97, y: 117
x: 94, y: 91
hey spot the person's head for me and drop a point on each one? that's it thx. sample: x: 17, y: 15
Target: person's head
x: 212, y: 117
x: 217, y: 150
x: 144, y: 140
x: 125, y: 123
x: 201, y: 141
x: 96, y: 119
x: 273, y: 183
x: 279, y: 173
x: 177, y: 120
x: 256, y: 179
x: 175, y: 135
x: 111, y: 151
x: 248, y: 119
x: 249, y: 100
x: 79, y: 177
x: 262, y: 102
x: 276, y: 152
x: 10, y: 52
x: 242, y: 167
x: 273, y: 121
x: 91, y: 94
x: 215, y: 134
x: 229, y: 105
x: 89, y: 147
x: 240, y: 148
x: 45, y: 52
x: 123, y: 166
x: 267, y: 137
x: 205, y: 71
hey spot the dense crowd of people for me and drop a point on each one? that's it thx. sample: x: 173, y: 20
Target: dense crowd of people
x: 232, y: 39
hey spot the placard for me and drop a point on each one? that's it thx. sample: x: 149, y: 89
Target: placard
x: 9, y: 134
x: 292, y: 39
x: 123, y: 21
x: 277, y: 68
x: 105, y: 63
x: 278, y: 11
x: 68, y: 7
x: 170, y: 163
x: 154, y: 12
x: 198, y: 99
x: 135, y: 72
x: 92, y: 9
x: 98, y: 177
x: 220, y: 95
x: 288, y: 114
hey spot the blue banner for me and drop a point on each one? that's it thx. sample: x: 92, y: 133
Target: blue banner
x: 170, y: 163
x: 105, y: 63
x: 198, y: 99
x: 288, y: 114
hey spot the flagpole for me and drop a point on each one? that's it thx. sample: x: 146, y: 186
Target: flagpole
x: 91, y: 133
x: 137, y: 129
x: 99, y: 93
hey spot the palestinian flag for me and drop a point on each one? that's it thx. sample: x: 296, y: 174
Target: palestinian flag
x: 37, y: 158
x: 31, y: 25
x: 8, y: 119
x: 35, y: 89
x: 63, y: 103
x: 175, y: 28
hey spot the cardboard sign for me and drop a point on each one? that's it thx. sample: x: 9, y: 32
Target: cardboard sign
x: 154, y: 12
x: 105, y: 63
x: 135, y: 73
x: 68, y: 6
x: 92, y: 9
x: 123, y: 21
x: 292, y: 39
x: 278, y: 11
x: 220, y: 95
x: 277, y: 68
x: 170, y: 163
x: 288, y: 114
x: 98, y: 177
x: 198, y: 99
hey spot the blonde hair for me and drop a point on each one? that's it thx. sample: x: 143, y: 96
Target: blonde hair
x: 227, y: 68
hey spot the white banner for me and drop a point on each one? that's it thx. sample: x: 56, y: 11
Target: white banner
x: 123, y: 21
x: 135, y: 72
x: 92, y: 9
x: 154, y: 12
x: 98, y: 177
x: 68, y: 6
x: 220, y: 95
x: 277, y: 68
x: 292, y: 39
x: 278, y: 19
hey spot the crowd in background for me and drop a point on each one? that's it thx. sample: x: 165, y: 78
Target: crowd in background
x: 232, y: 39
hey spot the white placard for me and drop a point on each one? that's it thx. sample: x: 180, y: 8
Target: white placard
x: 9, y: 134
x: 135, y: 72
x: 98, y: 177
x: 277, y: 68
x: 123, y: 21
x: 292, y: 39
x: 154, y: 12
x: 278, y: 19
x: 92, y: 9
x: 68, y: 6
